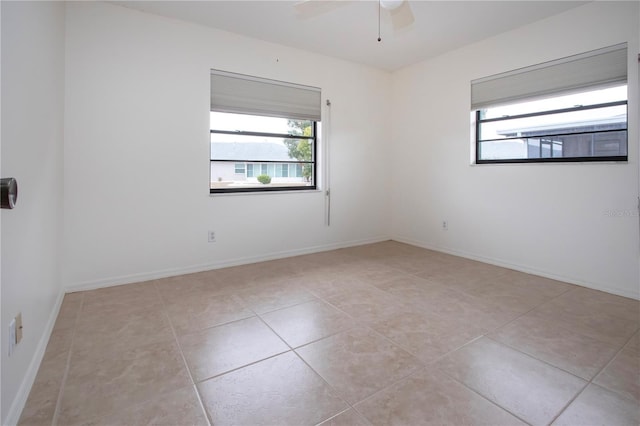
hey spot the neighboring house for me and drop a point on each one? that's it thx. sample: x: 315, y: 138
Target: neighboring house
x: 238, y: 163
x: 595, y: 138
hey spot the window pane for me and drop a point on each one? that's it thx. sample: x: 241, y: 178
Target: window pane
x: 222, y: 176
x: 609, y: 118
x: 257, y: 123
x: 238, y: 160
x: 256, y: 148
x: 582, y: 134
x: 591, y: 97
x: 564, y: 146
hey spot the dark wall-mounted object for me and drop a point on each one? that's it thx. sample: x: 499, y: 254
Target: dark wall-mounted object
x: 8, y: 193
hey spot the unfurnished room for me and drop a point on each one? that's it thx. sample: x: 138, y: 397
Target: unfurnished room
x: 310, y: 212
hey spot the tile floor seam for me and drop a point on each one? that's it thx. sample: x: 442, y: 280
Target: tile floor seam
x: 199, y: 330
x: 548, y: 362
x: 282, y: 307
x: 495, y: 403
x: 215, y: 376
x: 568, y: 404
x: 337, y: 394
x: 420, y: 363
x: 592, y: 381
x: 56, y: 412
x: 538, y: 359
x: 184, y: 360
x: 340, y: 413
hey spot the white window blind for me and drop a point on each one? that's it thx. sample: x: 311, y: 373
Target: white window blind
x: 595, y: 68
x: 243, y: 94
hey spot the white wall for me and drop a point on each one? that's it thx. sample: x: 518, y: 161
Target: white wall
x: 545, y: 218
x: 31, y: 150
x: 136, y: 176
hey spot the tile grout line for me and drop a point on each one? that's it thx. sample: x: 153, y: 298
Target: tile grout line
x: 184, y: 360
x: 56, y: 411
x: 482, y: 396
x: 293, y: 350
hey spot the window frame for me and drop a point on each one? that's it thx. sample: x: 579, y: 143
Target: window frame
x: 265, y: 188
x: 613, y: 158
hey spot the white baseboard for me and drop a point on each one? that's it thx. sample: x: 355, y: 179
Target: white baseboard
x: 521, y: 268
x: 171, y: 272
x: 30, y: 376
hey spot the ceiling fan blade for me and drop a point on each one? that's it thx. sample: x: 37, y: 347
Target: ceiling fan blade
x: 306, y: 9
x: 402, y: 16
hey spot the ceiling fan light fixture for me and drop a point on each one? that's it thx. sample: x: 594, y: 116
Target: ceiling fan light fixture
x: 391, y: 4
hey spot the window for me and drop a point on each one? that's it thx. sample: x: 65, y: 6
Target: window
x: 261, y: 127
x: 573, y: 109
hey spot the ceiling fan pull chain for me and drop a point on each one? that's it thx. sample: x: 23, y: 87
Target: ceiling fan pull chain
x: 379, y: 6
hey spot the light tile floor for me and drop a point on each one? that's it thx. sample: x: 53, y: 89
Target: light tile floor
x: 381, y: 334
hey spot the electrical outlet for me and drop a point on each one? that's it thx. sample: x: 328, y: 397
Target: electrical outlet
x: 445, y: 225
x: 212, y: 236
x: 18, y: 328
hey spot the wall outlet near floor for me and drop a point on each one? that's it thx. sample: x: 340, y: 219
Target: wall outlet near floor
x: 212, y: 236
x: 445, y: 225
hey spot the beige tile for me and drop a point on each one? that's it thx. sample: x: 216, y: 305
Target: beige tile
x: 425, y: 335
x: 125, y: 367
x: 580, y: 299
x: 357, y: 362
x: 266, y: 298
x: 278, y: 391
x: 413, y: 289
x: 368, y: 304
x: 200, y: 310
x: 467, y: 274
x: 68, y: 314
x: 97, y: 385
x: 431, y: 398
x: 598, y: 406
x: 581, y: 355
x: 346, y: 418
x: 530, y: 389
x: 591, y: 322
x: 43, y: 397
x: 542, y: 286
x: 122, y: 299
x: 634, y: 343
x: 215, y: 282
x: 459, y: 306
x: 59, y: 342
x: 622, y: 375
x: 306, y: 322
x: 181, y: 407
x: 220, y: 349
x: 505, y: 293
x: 329, y: 286
x: 172, y: 287
x: 380, y: 275
x: 109, y: 331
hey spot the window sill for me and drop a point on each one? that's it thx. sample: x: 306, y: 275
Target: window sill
x: 252, y: 193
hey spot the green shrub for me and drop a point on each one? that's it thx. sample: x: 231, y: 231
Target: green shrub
x: 264, y: 179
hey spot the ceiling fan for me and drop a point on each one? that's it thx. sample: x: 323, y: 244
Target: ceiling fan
x: 399, y: 10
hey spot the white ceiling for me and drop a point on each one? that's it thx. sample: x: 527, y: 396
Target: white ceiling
x: 349, y: 29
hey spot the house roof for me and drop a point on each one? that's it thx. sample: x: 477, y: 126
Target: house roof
x: 243, y: 151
